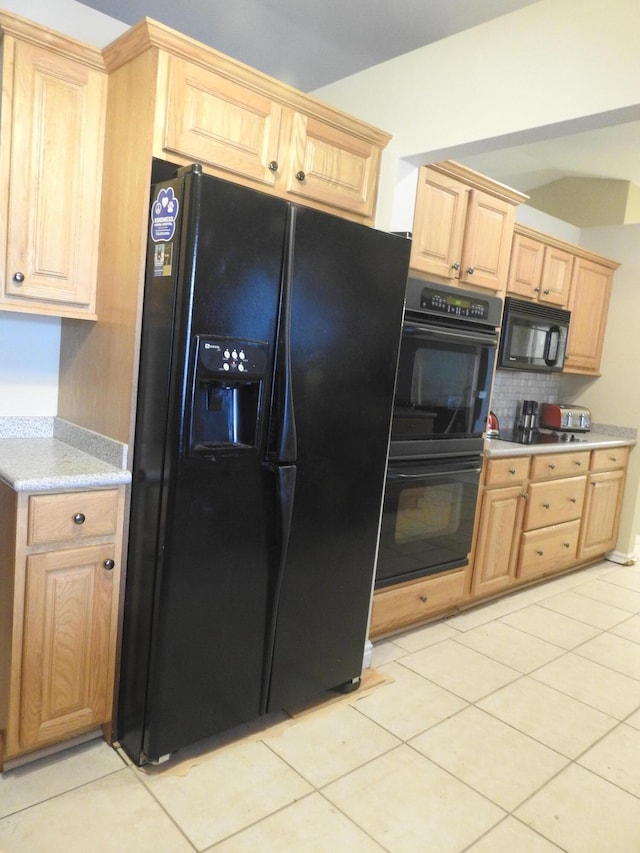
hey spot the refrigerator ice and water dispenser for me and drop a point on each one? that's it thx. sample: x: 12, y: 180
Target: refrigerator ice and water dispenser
x: 228, y: 382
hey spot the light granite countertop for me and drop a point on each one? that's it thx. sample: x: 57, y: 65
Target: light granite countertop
x: 48, y: 454
x: 495, y: 447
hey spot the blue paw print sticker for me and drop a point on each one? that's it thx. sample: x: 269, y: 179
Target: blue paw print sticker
x: 164, y: 213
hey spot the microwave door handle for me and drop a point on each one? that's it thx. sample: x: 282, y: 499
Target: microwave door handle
x: 553, y: 335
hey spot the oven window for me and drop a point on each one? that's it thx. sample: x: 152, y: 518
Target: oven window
x: 425, y: 512
x: 442, y: 387
x: 427, y: 518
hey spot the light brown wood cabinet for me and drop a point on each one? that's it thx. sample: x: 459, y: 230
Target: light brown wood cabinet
x: 51, y: 153
x: 539, y: 270
x: 59, y: 580
x: 236, y: 130
x: 589, y: 305
x: 605, y: 490
x: 551, y: 271
x: 501, y: 510
x: 463, y: 226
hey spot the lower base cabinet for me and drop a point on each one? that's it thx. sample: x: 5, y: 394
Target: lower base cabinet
x: 538, y: 515
x: 60, y: 574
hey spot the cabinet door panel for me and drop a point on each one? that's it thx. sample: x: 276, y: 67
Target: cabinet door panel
x: 56, y: 164
x: 498, y: 535
x: 525, y: 270
x: 66, y: 646
x: 438, y: 225
x: 221, y: 124
x: 589, y: 305
x: 556, y: 276
x: 487, y: 241
x: 602, y: 514
x: 339, y: 169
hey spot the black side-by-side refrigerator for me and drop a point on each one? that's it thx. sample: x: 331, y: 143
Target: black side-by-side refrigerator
x: 269, y: 345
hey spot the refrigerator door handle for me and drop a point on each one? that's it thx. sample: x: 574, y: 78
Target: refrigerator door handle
x: 282, y: 445
x: 285, y: 493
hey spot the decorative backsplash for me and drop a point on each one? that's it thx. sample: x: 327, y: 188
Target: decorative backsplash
x: 513, y: 386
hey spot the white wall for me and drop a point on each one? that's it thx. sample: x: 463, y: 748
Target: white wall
x: 547, y: 69
x: 29, y: 345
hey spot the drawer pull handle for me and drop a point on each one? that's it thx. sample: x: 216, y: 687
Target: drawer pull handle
x: 540, y: 553
x: 512, y: 470
x: 79, y: 518
x: 552, y: 465
x: 546, y: 506
x: 109, y: 564
x: 423, y: 599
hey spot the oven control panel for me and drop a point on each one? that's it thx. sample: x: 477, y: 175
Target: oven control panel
x: 452, y: 304
x: 461, y: 305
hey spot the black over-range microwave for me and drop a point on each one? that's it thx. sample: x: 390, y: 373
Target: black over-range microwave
x: 533, y: 337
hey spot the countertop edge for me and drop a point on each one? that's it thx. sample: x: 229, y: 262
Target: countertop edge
x: 495, y: 447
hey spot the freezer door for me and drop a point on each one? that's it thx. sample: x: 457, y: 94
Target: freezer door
x: 347, y: 301
x: 199, y: 583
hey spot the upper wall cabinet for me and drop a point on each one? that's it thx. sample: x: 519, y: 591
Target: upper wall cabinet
x: 51, y: 148
x: 243, y: 126
x: 589, y: 305
x: 463, y: 226
x: 539, y: 269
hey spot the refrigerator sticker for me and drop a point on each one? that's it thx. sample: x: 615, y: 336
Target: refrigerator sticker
x: 162, y: 259
x: 164, y: 213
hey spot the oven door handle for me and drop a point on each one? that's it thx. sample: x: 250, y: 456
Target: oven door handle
x: 488, y: 339
x: 394, y: 474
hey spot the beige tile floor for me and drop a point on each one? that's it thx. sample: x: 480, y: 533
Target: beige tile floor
x: 511, y: 727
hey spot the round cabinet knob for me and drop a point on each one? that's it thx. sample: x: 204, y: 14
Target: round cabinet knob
x: 546, y: 506
x: 273, y: 165
x: 578, y: 463
x: 613, y: 458
x: 455, y: 266
x: 512, y: 470
x: 109, y: 564
x: 552, y: 466
x: 79, y: 518
x: 300, y: 176
x: 566, y: 545
x: 471, y: 270
x: 423, y: 599
x: 546, y: 292
x: 573, y: 500
x: 536, y: 290
x: 540, y: 553
x: 18, y: 277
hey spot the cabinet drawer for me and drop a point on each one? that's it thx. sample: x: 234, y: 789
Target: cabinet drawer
x: 549, y: 549
x: 609, y: 458
x: 548, y: 465
x: 400, y: 606
x: 504, y: 472
x: 71, y: 515
x: 554, y: 502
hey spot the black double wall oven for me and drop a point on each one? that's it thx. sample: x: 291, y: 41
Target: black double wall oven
x: 445, y: 371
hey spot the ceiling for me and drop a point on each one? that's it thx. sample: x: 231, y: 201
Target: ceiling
x: 309, y: 44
